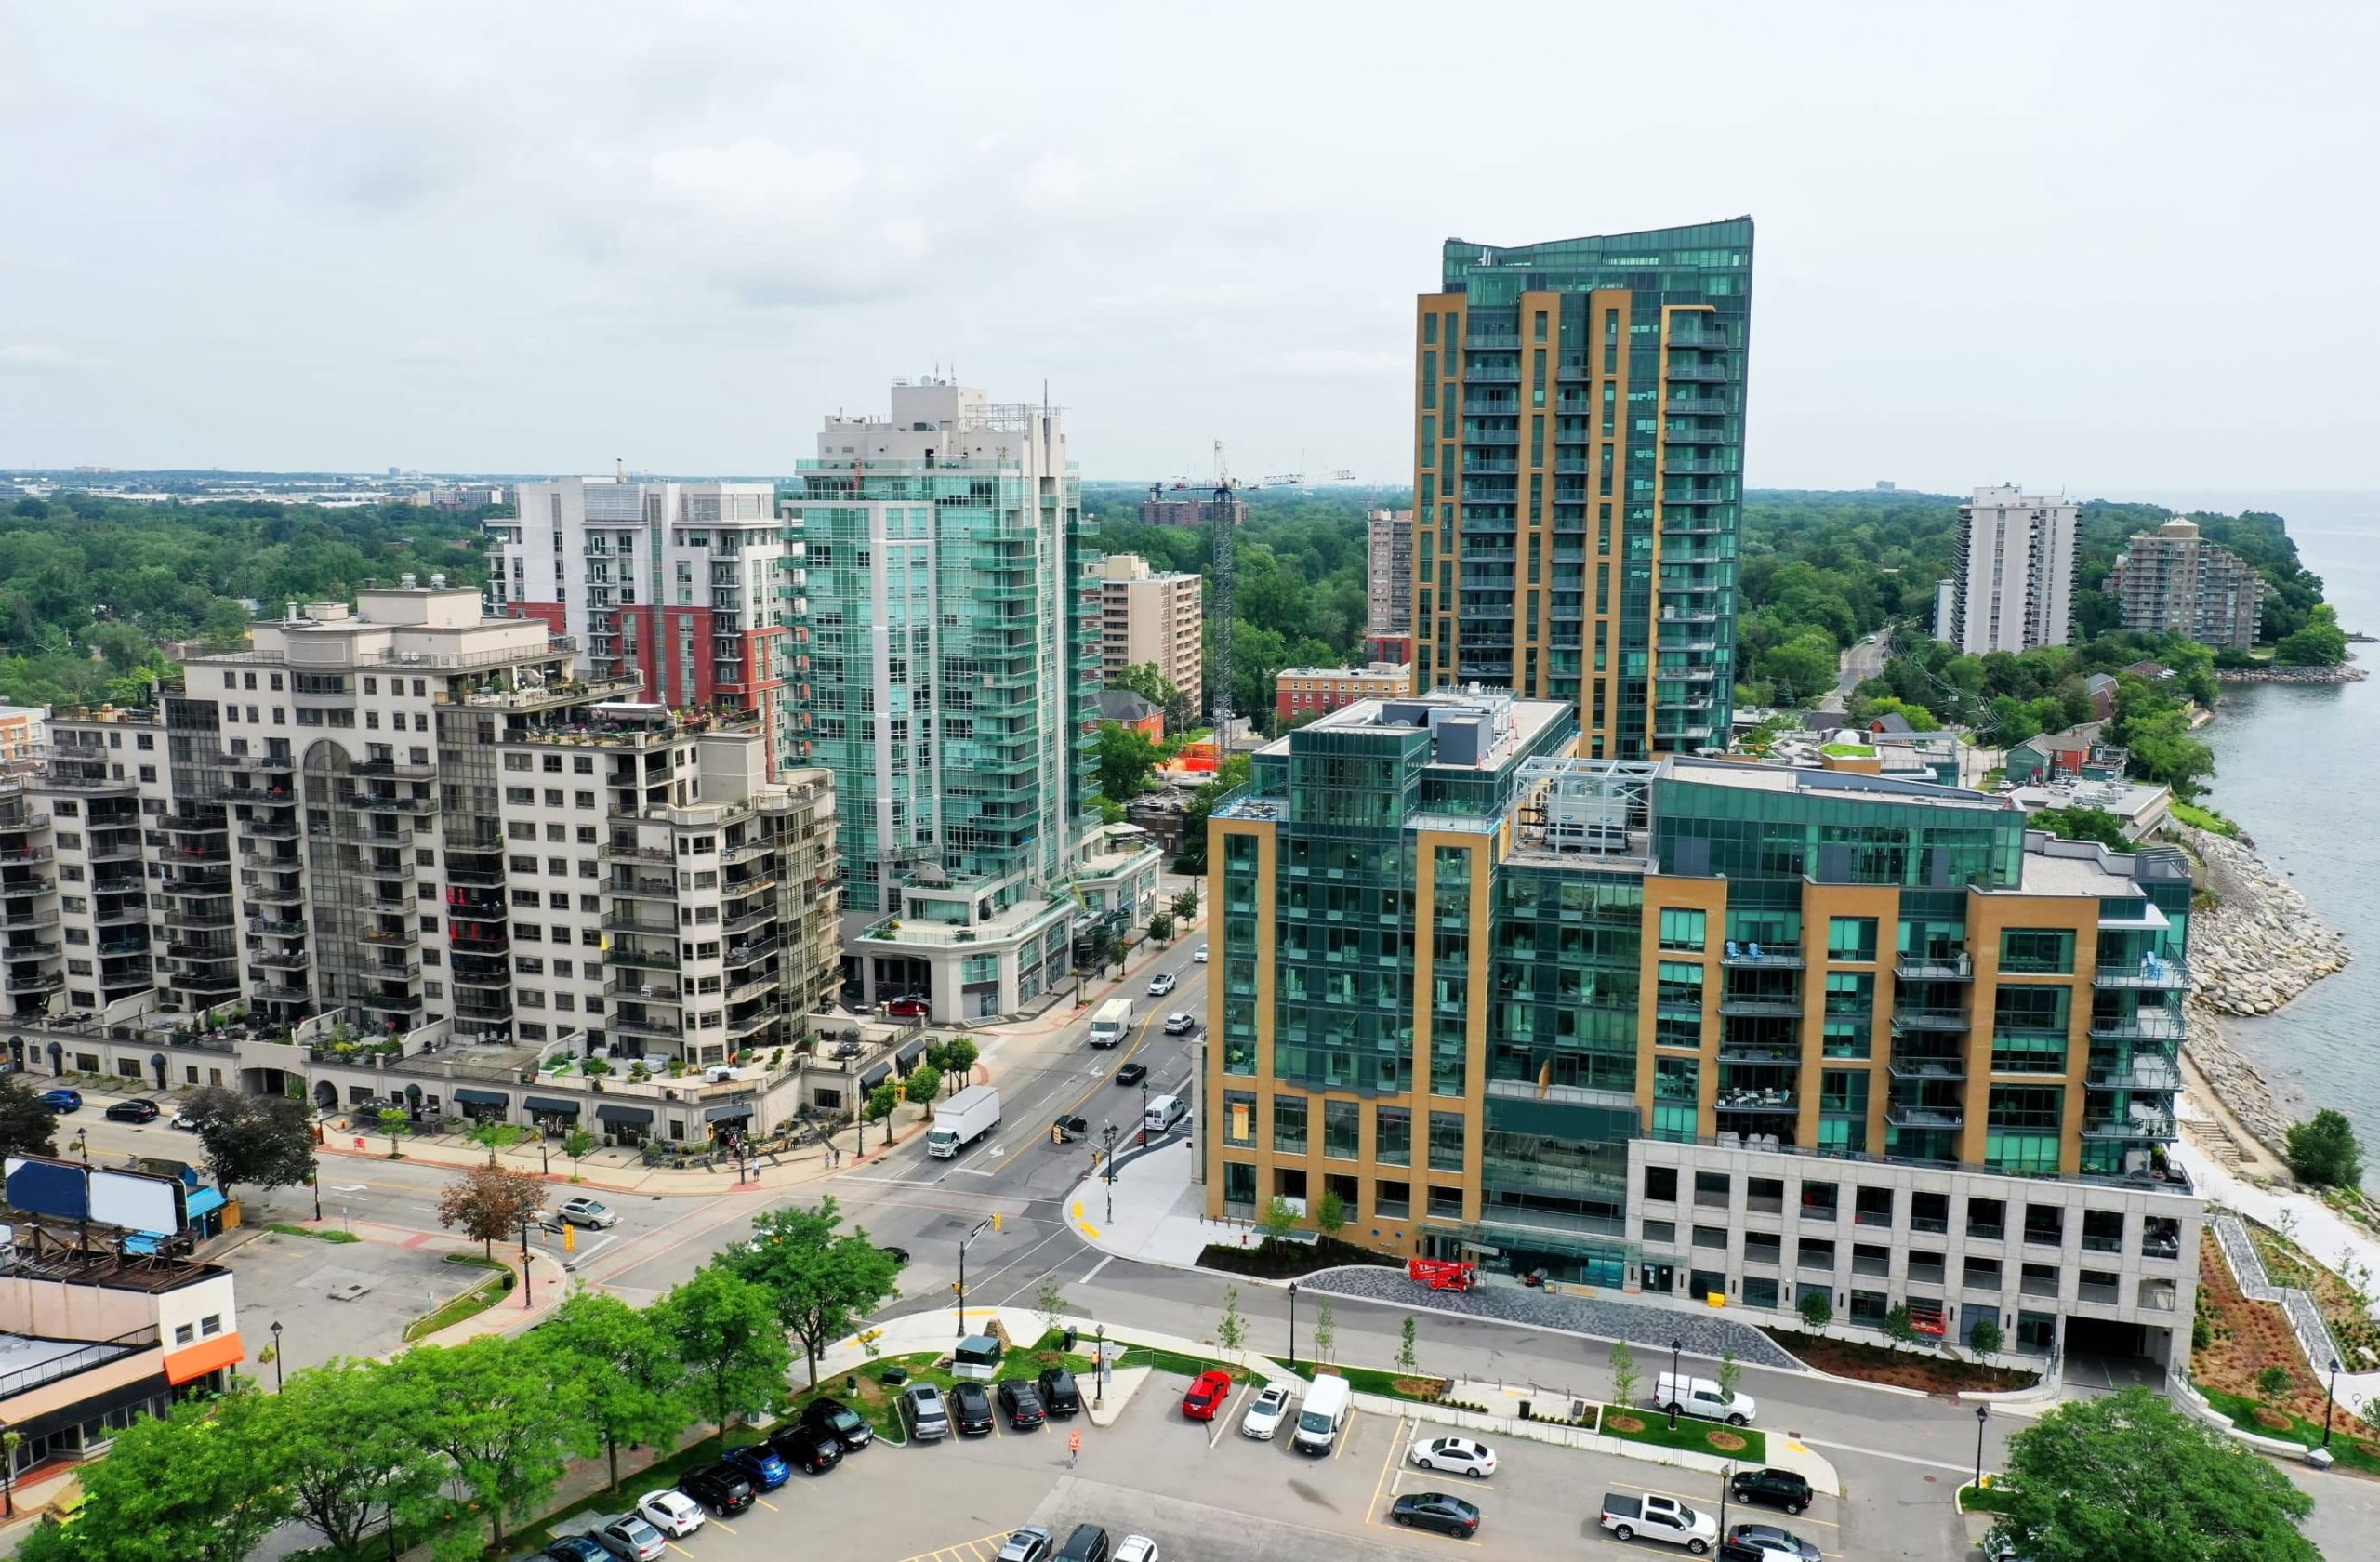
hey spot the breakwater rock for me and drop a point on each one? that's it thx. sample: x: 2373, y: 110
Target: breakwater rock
x: 2345, y: 672
x: 2261, y: 946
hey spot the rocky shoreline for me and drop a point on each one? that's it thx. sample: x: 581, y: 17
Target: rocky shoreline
x: 2345, y: 672
x: 2259, y: 947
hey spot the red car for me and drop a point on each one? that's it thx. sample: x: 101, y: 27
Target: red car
x: 1207, y: 1396
x: 907, y: 1008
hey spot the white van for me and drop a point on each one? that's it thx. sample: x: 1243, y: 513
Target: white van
x: 1165, y: 1114
x: 1701, y: 1396
x: 1324, y: 1413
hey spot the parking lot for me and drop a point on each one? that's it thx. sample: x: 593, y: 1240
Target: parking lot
x: 1205, y: 1492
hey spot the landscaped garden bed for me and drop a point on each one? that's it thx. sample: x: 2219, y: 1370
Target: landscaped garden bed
x: 1288, y: 1260
x: 1923, y: 1370
x: 2350, y: 1321
x: 1371, y: 1380
x: 2246, y: 1359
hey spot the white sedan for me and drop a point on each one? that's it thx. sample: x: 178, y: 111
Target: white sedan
x: 1459, y: 1455
x: 1136, y: 1548
x: 1163, y: 983
x: 1264, y: 1412
x: 1200, y: 954
x: 672, y: 1513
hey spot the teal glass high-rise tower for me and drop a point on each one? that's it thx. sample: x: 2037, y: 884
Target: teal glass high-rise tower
x: 1579, y: 426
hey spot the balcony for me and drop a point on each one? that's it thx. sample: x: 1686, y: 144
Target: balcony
x: 43, y: 949
x: 1916, y: 1115
x: 2148, y: 1072
x: 1909, y: 1020
x: 644, y: 960
x: 759, y: 918
x: 1775, y: 1101
x: 376, y: 802
x: 25, y: 889
x: 628, y: 991
x: 631, y: 851
x: 397, y: 937
x: 46, y: 981
x: 280, y: 959
x: 494, y: 943
x: 1767, y: 1004
x: 1749, y: 955
x: 741, y: 954
x: 273, y: 895
x: 617, y: 922
x: 1767, y: 1055
x: 212, y: 917
x: 651, y: 1030
x: 268, y: 829
x: 2142, y: 1125
x: 642, y: 888
x: 400, y: 770
x: 1905, y: 1067
x: 279, y: 992
x: 2147, y: 1025
x: 1921, y: 968
x: 2150, y: 972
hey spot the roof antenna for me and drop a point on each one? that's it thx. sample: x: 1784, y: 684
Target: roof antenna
x: 622, y: 475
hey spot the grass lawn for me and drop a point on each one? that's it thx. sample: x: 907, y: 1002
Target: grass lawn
x: 1982, y: 1499
x: 325, y: 1236
x: 2206, y: 819
x: 477, y: 1300
x: 1629, y: 1424
x: 1175, y: 1361
x: 2249, y: 1416
x: 1047, y: 1352
x: 1371, y: 1380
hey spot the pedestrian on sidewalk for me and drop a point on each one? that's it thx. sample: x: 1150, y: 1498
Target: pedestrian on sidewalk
x: 1074, y: 1447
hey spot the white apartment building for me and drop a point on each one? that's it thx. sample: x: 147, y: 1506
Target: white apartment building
x: 1388, y: 585
x: 417, y: 816
x: 676, y: 583
x: 2014, y: 586
x: 1152, y: 616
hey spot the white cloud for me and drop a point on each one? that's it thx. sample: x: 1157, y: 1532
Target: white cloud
x: 1345, y: 364
x: 756, y: 173
x: 42, y: 358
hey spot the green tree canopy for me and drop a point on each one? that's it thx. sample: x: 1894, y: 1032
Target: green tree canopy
x: 26, y: 1126
x: 2323, y: 1150
x: 201, y: 1485
x: 2320, y: 644
x: 264, y: 1141
x: 1126, y: 757
x: 350, y: 1468
x: 2081, y: 823
x: 498, y: 1411
x: 818, y: 1277
x: 2126, y: 1477
x: 727, y: 1332
x: 622, y: 1369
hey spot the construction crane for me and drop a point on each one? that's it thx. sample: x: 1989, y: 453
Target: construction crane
x: 1224, y: 517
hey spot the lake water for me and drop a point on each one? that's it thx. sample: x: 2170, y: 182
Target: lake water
x: 2299, y: 768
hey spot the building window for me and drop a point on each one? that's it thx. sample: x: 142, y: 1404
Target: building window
x: 1682, y: 929
x: 1392, y: 1136
x: 1342, y: 1129
x: 185, y: 1333
x: 1288, y: 1125
x: 1240, y: 1118
x: 1446, y: 1141
x: 1851, y: 938
x: 211, y: 1324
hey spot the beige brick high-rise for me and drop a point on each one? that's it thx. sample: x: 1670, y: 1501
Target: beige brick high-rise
x: 2173, y: 582
x: 1152, y: 616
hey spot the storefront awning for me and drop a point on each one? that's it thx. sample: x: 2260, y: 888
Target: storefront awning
x: 614, y: 1111
x: 907, y: 1057
x: 471, y: 1097
x: 203, y: 1201
x: 550, y: 1105
x: 875, y: 1077
x: 193, y: 1362
x: 728, y: 1113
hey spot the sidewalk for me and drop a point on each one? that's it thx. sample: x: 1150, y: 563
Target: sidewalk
x: 1064, y: 1016
x: 1156, y: 1214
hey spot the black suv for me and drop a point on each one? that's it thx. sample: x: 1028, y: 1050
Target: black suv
x: 1088, y: 1543
x: 1059, y: 1394
x: 1778, y: 1488
x: 720, y: 1488
x: 833, y: 1416
x: 805, y: 1447
x: 1020, y: 1402
x: 971, y: 1409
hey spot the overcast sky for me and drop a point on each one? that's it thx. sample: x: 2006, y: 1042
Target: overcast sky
x: 2091, y: 245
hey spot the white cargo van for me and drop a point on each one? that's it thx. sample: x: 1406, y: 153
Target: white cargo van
x: 1323, y: 1414
x: 1701, y: 1396
x: 1110, y: 1022
x: 1165, y: 1114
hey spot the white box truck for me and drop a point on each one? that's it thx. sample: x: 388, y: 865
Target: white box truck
x: 1110, y: 1022
x: 962, y: 1120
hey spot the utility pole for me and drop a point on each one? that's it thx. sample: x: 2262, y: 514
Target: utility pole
x: 979, y: 1228
x: 1220, y: 608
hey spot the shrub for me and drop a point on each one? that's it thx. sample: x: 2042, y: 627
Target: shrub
x: 1898, y: 1327
x: 2273, y: 1382
x: 1816, y: 1307
x: 1985, y: 1335
x: 2323, y: 1150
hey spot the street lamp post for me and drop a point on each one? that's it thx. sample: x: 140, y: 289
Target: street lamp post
x: 525, y: 1300
x: 1677, y: 1348
x: 980, y: 1228
x: 1099, y: 1380
x: 10, y: 1438
x: 1294, y: 1324
x: 83, y: 1144
x: 1982, y: 1415
x: 2330, y: 1398
x: 1726, y: 1479
x: 276, y: 1358
x: 1107, y: 1136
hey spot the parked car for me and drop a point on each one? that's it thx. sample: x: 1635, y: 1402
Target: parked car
x: 833, y: 1416
x: 578, y: 1548
x: 184, y: 1121
x: 62, y: 1099
x: 1768, y: 1537
x: 1163, y: 983
x: 1461, y: 1455
x: 760, y: 1464
x: 672, y: 1513
x: 135, y: 1110
x: 924, y: 1414
x: 1440, y: 1511
x: 1060, y: 1396
x: 1020, y: 1402
x: 1132, y: 1073
x: 1658, y: 1517
x: 1088, y: 1543
x: 899, y: 1256
x: 1030, y: 1544
x: 807, y: 1447
x: 1180, y: 1022
x: 630, y: 1538
x: 722, y: 1489
x: 970, y: 1409
x: 1262, y: 1417
x: 909, y: 1008
x: 1207, y: 1396
x: 588, y: 1211
x: 1200, y: 954
x: 1702, y: 1396
x: 1136, y: 1548
x: 1775, y: 1488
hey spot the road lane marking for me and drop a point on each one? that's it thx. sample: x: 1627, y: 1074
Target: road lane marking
x: 1902, y: 1458
x: 1095, y: 1268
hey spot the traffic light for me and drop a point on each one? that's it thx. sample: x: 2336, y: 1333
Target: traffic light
x: 999, y: 1221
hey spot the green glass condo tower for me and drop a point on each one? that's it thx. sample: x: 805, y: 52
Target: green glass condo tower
x: 944, y: 665
x: 1578, y: 474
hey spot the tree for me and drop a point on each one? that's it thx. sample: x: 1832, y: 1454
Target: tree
x: 2081, y: 823
x: 1407, y: 1360
x: 491, y: 1136
x: 352, y: 1470
x: 264, y: 1141
x: 576, y: 1143
x: 1623, y: 1374
x: 2125, y: 1478
x: 1161, y: 927
x: 2273, y: 1382
x: 818, y: 1276
x: 489, y: 1202
x: 1983, y: 1336
x: 1731, y: 1372
x: 1898, y: 1325
x: 728, y: 1334
x: 495, y: 1409
x: 1050, y: 1303
x: 1816, y: 1307
x: 1280, y: 1218
x: 1231, y: 1329
x: 203, y: 1484
x: 1185, y: 905
x: 1326, y: 1330
x: 1329, y: 1213
x: 26, y: 1126
x: 881, y: 1102
x: 623, y: 1371
x: 957, y: 1059
x: 1125, y: 757
x: 925, y: 1082
x: 2320, y: 644
x: 394, y: 1120
x: 2323, y: 1150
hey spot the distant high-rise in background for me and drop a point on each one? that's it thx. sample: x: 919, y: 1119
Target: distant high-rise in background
x: 1578, y: 473
x: 1188, y: 508
x: 948, y: 631
x: 2173, y: 582
x: 1151, y: 616
x: 2014, y: 586
x: 674, y: 583
x: 1388, y: 586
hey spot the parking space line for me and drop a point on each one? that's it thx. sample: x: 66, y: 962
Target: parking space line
x: 722, y: 1523
x: 964, y: 1549
x: 1385, y: 1466
x: 1347, y: 1433
x: 766, y: 1504
x: 676, y: 1547
x: 1222, y: 1416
